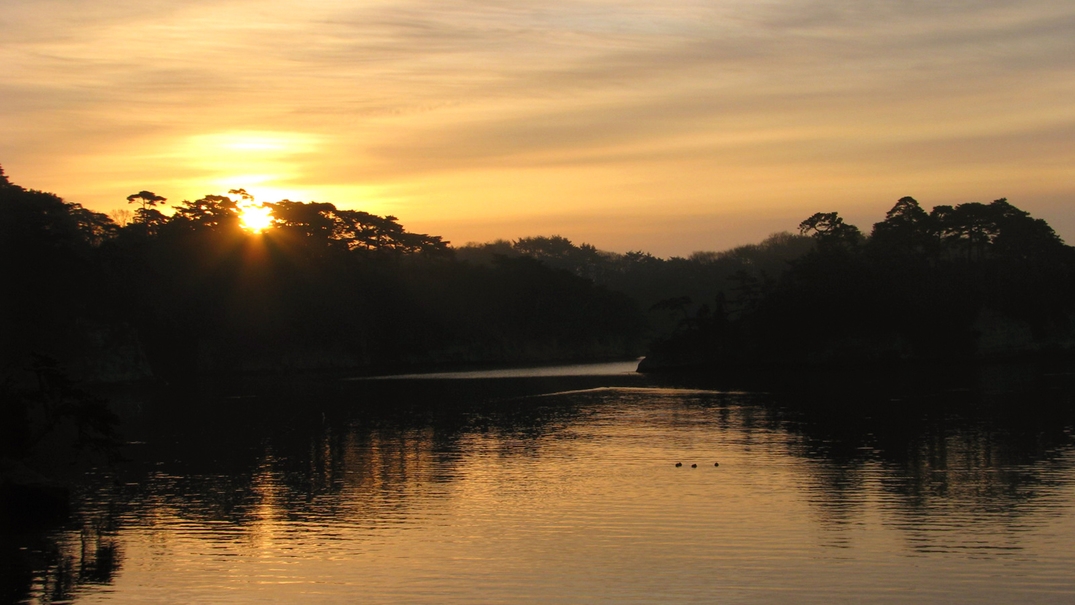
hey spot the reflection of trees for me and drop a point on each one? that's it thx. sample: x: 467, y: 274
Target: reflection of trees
x: 918, y: 447
x: 312, y: 451
x: 371, y: 455
x: 993, y: 454
x: 354, y: 475
x: 368, y: 466
x: 973, y: 458
x: 56, y: 566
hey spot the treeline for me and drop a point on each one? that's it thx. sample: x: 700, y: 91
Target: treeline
x: 666, y: 288
x: 192, y: 291
x: 970, y: 281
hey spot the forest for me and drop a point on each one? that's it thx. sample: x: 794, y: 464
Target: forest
x: 172, y: 294
x: 955, y: 284
x: 192, y: 292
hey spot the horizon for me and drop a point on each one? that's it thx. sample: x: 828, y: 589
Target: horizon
x: 629, y: 126
x: 261, y: 220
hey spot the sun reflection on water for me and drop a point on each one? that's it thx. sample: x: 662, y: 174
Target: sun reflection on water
x: 579, y: 500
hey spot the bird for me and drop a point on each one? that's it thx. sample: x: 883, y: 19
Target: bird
x: 679, y: 464
x: 694, y: 466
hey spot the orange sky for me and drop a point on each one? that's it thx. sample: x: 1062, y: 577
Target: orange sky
x: 669, y: 127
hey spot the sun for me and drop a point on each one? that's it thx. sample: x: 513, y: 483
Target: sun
x: 255, y: 218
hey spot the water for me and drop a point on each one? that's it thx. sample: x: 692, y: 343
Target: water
x: 561, y: 486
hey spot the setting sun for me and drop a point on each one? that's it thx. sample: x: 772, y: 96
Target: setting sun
x: 255, y: 218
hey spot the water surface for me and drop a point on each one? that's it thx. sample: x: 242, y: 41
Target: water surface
x: 562, y: 486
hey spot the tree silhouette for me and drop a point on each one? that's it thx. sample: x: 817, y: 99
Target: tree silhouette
x: 146, y: 199
x: 955, y: 283
x: 147, y: 215
x: 830, y: 231
x: 212, y: 212
x: 907, y: 229
x: 242, y: 193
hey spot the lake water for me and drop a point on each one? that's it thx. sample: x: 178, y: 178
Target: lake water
x: 562, y: 486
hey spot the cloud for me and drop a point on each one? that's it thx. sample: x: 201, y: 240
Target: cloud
x: 586, y: 98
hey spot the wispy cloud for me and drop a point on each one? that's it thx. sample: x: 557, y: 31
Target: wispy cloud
x: 653, y: 105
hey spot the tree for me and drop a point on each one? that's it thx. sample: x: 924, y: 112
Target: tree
x: 1020, y: 236
x: 541, y: 247
x: 310, y: 222
x: 242, y: 194
x: 830, y: 231
x: 146, y: 199
x: 48, y: 249
x: 213, y: 212
x: 907, y: 229
x: 975, y: 231
x: 121, y: 216
x: 678, y: 304
x: 639, y: 257
x: 149, y: 217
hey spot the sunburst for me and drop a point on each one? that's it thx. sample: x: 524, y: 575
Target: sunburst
x: 255, y: 218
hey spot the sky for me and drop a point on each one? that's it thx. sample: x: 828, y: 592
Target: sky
x: 669, y: 127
